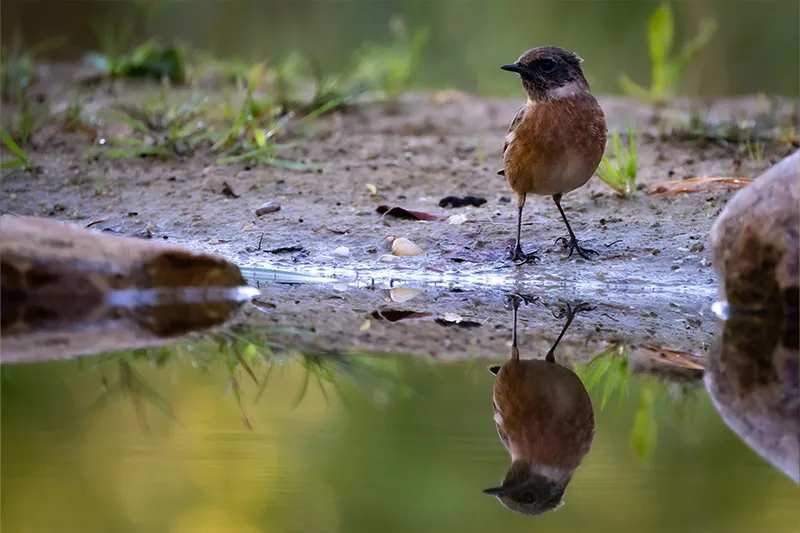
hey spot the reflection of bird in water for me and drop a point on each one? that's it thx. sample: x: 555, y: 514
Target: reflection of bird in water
x: 544, y: 418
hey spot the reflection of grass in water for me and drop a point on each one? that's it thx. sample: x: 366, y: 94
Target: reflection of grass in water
x: 131, y: 384
x: 610, y: 370
x: 612, y: 365
x: 250, y: 355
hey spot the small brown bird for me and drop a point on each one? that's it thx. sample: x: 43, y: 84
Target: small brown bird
x: 556, y: 140
x: 545, y: 420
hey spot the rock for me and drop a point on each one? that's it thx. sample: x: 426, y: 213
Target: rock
x: 752, y: 374
x: 403, y: 246
x: 268, y: 207
x: 342, y: 251
x: 755, y: 239
x: 67, y: 290
x: 387, y: 258
x: 456, y: 220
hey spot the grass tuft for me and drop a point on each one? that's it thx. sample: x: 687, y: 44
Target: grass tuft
x: 620, y: 174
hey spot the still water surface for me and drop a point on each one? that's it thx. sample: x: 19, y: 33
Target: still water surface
x: 184, y: 439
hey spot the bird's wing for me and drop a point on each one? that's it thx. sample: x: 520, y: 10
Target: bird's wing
x: 512, y: 127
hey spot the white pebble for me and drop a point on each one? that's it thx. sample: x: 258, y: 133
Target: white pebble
x: 403, y: 294
x: 403, y: 246
x: 342, y: 251
x: 387, y: 258
x: 457, y: 220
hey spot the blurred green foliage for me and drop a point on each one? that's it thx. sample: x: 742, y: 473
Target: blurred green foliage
x: 667, y: 70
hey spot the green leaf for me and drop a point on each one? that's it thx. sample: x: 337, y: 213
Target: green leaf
x: 260, y: 137
x: 644, y: 427
x: 254, y: 76
x: 12, y: 145
x: 12, y: 163
x: 660, y: 33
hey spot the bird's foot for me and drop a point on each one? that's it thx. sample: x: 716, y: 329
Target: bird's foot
x: 572, y: 245
x: 519, y: 257
x: 567, y: 310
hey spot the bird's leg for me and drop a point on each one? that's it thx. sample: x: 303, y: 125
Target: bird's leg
x: 572, y: 245
x: 515, y: 300
x: 516, y: 254
x: 570, y: 313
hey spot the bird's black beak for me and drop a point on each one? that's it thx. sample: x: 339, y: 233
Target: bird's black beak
x: 512, y: 67
x: 496, y: 491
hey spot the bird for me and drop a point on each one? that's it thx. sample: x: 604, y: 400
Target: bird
x: 545, y: 420
x: 556, y: 140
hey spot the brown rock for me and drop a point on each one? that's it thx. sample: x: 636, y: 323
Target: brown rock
x: 68, y: 290
x: 752, y: 376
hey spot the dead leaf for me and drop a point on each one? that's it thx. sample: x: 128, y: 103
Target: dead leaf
x: 674, y: 357
x: 401, y: 212
x: 699, y: 184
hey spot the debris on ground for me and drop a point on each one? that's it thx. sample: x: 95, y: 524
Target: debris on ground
x: 268, y: 207
x: 699, y: 184
x: 401, y: 212
x: 455, y: 201
x: 227, y: 190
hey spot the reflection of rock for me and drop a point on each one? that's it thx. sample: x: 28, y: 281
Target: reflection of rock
x: 752, y: 376
x: 62, y: 290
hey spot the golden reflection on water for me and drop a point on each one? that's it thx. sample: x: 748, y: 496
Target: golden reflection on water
x: 339, y: 463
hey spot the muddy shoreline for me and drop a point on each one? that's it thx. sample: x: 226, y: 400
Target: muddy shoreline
x: 653, y: 275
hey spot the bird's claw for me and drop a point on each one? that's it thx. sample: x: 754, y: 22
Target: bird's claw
x: 573, y: 246
x: 568, y: 311
x: 514, y: 299
x: 520, y: 258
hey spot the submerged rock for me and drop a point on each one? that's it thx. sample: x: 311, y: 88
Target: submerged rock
x: 752, y: 376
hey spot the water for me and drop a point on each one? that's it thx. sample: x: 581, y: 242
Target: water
x: 757, y: 47
x: 270, y: 427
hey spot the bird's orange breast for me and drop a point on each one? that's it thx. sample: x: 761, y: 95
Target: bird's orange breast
x: 556, y: 146
x: 543, y: 413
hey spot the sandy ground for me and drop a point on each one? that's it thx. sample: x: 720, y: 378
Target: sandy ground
x: 653, y: 282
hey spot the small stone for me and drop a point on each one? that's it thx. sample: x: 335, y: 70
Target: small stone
x: 342, y: 251
x: 403, y: 294
x: 403, y: 246
x: 387, y: 258
x: 697, y: 247
x: 268, y: 207
x: 250, y: 226
x: 457, y: 220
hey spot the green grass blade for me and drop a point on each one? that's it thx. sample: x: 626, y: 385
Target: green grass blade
x: 12, y: 145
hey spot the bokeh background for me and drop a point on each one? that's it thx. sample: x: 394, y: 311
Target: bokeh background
x: 756, y: 48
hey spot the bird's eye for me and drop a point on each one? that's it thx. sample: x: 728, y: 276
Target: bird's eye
x: 527, y: 497
x: 547, y: 65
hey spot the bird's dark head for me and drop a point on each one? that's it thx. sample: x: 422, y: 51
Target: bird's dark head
x: 550, y: 72
x: 531, y: 491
